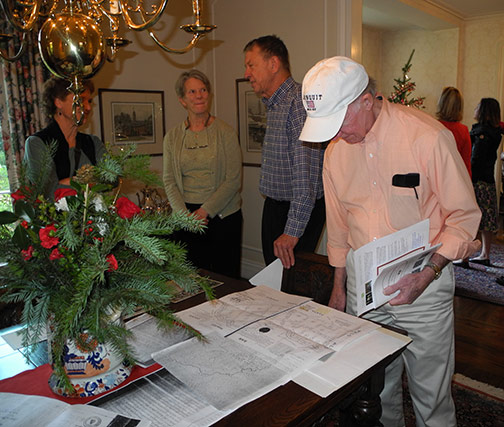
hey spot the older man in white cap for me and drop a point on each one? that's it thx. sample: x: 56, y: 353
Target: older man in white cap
x: 373, y: 141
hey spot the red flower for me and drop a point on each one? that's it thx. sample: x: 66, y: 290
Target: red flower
x: 28, y: 253
x: 20, y: 194
x: 64, y: 192
x: 111, y: 259
x: 47, y: 238
x: 24, y: 224
x: 125, y: 208
x: 55, y: 254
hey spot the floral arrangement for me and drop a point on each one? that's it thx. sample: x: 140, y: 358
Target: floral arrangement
x: 77, y: 259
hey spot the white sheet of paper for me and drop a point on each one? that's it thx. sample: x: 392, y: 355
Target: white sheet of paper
x: 324, y: 325
x: 327, y: 376
x: 378, y: 255
x: 148, y: 339
x: 25, y: 410
x: 238, y: 309
x: 271, y: 275
x: 222, y: 370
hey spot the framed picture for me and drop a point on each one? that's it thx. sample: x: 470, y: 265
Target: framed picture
x: 133, y: 117
x: 251, y: 122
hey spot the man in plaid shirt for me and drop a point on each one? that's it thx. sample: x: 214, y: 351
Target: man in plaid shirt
x: 291, y: 170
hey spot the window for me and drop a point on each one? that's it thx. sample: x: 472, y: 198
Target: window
x: 5, y: 199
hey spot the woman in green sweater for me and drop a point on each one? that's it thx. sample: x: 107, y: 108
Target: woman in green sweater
x: 202, y: 174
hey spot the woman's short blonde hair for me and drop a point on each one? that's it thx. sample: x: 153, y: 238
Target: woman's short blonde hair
x: 196, y: 74
x: 450, y: 105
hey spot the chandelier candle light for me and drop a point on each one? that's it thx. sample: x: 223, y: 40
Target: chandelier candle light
x: 71, y: 39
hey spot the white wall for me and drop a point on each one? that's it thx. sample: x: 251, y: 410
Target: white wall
x: 311, y: 31
x: 483, y: 63
x: 434, y: 63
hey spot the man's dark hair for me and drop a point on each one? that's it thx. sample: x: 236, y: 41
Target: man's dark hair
x: 271, y: 46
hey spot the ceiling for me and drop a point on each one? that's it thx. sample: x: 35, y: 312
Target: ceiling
x: 394, y: 15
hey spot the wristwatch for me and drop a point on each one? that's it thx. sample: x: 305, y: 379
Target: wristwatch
x: 435, y: 268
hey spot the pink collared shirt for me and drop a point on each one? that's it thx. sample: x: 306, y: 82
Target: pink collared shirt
x: 362, y: 204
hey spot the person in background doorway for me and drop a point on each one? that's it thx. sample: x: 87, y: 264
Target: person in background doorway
x: 450, y: 109
x: 486, y: 137
x: 202, y: 170
x: 74, y: 149
x: 291, y: 170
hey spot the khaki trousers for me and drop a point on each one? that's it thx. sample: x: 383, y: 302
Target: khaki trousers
x: 428, y: 360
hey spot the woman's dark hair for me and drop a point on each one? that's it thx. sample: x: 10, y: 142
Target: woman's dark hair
x: 450, y: 105
x: 56, y: 88
x: 488, y: 112
x: 271, y: 46
x: 195, y: 74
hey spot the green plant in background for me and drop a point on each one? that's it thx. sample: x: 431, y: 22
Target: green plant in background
x: 90, y: 253
x: 404, y: 87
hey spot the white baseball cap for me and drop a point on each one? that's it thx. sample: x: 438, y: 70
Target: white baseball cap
x: 328, y: 88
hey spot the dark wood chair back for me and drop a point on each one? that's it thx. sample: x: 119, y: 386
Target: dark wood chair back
x: 311, y: 276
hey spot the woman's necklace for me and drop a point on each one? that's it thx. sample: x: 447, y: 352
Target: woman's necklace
x: 194, y: 136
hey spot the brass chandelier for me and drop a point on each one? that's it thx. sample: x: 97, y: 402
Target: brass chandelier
x: 71, y: 39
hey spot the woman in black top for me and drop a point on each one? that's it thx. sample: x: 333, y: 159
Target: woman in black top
x: 74, y: 149
x: 485, y: 138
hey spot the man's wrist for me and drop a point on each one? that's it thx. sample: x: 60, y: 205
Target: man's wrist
x: 435, y: 268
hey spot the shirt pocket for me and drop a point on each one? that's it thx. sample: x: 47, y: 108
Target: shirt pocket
x: 403, y: 207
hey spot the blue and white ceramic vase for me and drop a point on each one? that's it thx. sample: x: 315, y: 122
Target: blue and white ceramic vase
x: 90, y: 372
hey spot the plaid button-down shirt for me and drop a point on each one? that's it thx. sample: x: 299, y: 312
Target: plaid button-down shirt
x: 291, y: 170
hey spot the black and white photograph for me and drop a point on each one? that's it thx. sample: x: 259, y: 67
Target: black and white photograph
x: 133, y: 117
x: 251, y: 122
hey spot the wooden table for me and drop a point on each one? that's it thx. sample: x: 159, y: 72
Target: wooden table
x: 358, y: 402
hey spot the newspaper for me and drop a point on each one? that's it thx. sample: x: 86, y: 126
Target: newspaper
x: 384, y: 261
x: 256, y: 341
x: 249, y: 353
x: 27, y: 411
x: 163, y: 400
x: 147, y: 338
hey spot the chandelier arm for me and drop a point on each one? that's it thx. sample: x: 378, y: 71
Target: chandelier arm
x: 189, y: 46
x: 147, y: 24
x: 77, y: 105
x: 16, y: 22
x: 4, y: 55
x: 113, y: 52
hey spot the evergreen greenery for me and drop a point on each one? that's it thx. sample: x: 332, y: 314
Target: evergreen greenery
x: 88, y: 254
x: 404, y: 87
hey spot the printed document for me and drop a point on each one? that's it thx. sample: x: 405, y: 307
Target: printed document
x: 257, y: 340
x: 384, y: 261
x: 147, y: 338
x: 22, y: 410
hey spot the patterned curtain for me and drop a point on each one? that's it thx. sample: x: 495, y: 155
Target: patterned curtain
x: 20, y: 100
